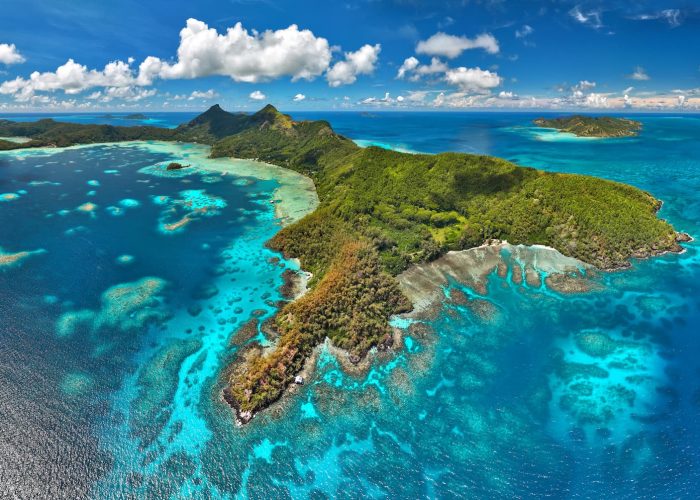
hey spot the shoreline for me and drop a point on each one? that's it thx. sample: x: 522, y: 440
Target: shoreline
x: 294, y: 198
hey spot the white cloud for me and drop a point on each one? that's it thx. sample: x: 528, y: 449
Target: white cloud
x: 299, y: 97
x: 526, y: 30
x: 591, y: 18
x: 416, y: 70
x: 71, y: 78
x: 417, y: 95
x: 383, y: 101
x: 360, y: 62
x: 442, y: 44
x: 243, y: 56
x: 239, y: 54
x: 409, y: 64
x: 10, y: 55
x: 130, y: 94
x: 435, y: 66
x: 257, y: 95
x: 596, y: 100
x: 472, y: 79
x: 639, y: 74
x: 209, y: 94
x: 628, y: 90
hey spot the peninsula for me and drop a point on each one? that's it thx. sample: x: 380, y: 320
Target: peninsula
x: 380, y: 212
x: 590, y: 126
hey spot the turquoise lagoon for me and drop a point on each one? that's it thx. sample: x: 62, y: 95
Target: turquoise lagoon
x: 118, y: 317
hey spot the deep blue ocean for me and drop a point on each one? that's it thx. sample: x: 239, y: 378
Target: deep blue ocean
x: 122, y: 287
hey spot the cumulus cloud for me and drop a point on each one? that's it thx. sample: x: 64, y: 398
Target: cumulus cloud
x: 209, y: 94
x: 412, y: 68
x: 639, y: 74
x: 10, y: 55
x: 409, y: 64
x: 238, y: 54
x: 417, y: 95
x: 451, y: 46
x: 383, y: 101
x: 130, y: 94
x: 71, y: 78
x: 256, y: 95
x: 298, y: 97
x: 360, y: 62
x: 241, y: 55
x: 472, y: 79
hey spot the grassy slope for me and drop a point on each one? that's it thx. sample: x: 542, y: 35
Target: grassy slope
x: 589, y: 126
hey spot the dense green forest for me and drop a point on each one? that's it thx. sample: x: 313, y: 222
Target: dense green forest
x: 381, y: 211
x: 592, y: 126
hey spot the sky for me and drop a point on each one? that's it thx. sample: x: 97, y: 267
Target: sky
x: 160, y: 55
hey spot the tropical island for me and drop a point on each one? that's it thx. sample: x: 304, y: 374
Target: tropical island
x: 381, y: 212
x: 592, y: 126
x: 136, y: 116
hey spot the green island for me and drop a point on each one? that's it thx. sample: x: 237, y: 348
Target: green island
x: 380, y: 212
x: 592, y: 126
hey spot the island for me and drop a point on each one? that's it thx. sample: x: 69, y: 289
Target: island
x: 592, y: 126
x: 136, y: 116
x: 173, y: 165
x: 380, y: 213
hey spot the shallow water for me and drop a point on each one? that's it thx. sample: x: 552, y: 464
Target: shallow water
x: 115, y: 329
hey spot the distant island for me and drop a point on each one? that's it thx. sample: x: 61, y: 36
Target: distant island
x: 381, y: 212
x: 591, y: 126
x: 136, y: 116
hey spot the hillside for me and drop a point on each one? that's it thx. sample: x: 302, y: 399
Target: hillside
x: 50, y: 133
x: 590, y: 126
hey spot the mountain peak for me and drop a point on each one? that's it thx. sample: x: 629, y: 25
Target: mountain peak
x: 269, y: 109
x: 214, y: 109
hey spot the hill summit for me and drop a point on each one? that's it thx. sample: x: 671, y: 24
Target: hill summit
x: 216, y: 123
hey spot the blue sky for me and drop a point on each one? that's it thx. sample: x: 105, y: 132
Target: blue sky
x: 353, y: 54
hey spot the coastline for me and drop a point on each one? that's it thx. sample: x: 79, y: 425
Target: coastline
x: 294, y: 198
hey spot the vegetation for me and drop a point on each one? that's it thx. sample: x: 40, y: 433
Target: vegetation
x: 351, y: 306
x: 590, y: 126
x: 50, y: 133
x: 381, y: 211
x: 7, y: 145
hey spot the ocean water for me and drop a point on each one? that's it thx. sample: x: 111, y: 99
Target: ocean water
x: 124, y: 285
